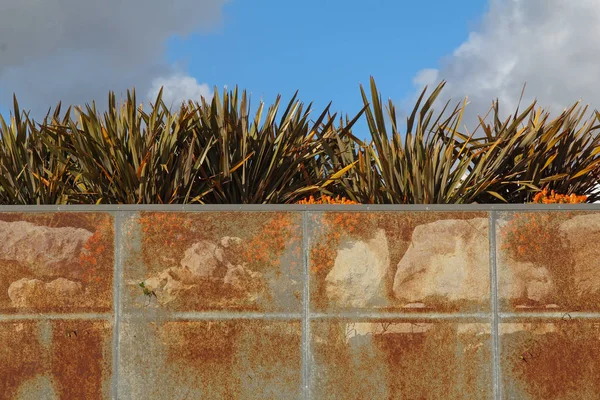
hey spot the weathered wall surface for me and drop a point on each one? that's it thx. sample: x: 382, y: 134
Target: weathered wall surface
x: 299, y: 302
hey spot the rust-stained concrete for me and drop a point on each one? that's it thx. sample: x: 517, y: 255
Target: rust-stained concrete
x: 214, y: 261
x: 211, y: 360
x: 390, y: 359
x: 403, y: 305
x: 549, y: 260
x: 550, y: 359
x: 384, y: 261
x: 55, y: 359
x: 56, y: 263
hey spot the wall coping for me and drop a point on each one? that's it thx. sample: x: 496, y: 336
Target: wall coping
x: 300, y: 207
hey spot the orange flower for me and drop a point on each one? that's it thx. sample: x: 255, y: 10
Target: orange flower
x: 555, y: 198
x: 324, y: 199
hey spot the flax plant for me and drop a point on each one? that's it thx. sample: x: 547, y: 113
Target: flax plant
x: 223, y: 151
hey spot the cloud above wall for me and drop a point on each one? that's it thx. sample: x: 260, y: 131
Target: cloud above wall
x: 177, y: 88
x: 76, y: 51
x: 551, y: 45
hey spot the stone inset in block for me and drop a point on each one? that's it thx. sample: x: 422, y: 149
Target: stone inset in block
x: 548, y: 261
x: 56, y: 262
x: 388, y: 359
x: 409, y: 261
x: 245, y: 261
x: 235, y: 359
x: 55, y: 359
x: 558, y: 359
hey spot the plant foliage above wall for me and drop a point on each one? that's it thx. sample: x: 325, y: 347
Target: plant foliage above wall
x: 221, y: 152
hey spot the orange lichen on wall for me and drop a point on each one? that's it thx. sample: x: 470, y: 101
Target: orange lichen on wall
x: 322, y: 256
x: 95, y: 249
x: 528, y: 234
x: 333, y: 225
x: 267, y: 245
x: 525, y: 233
x: 265, y: 236
x: 167, y: 234
x: 165, y: 228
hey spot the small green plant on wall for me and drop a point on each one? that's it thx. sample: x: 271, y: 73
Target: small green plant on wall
x: 146, y: 291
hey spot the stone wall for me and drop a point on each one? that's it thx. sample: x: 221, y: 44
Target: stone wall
x: 290, y: 302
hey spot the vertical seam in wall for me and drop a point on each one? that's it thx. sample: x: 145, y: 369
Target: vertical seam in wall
x: 497, y: 386
x: 306, y: 355
x: 116, y: 304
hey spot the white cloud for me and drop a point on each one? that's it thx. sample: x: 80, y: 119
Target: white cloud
x: 551, y: 45
x: 178, y: 88
x: 427, y: 76
x: 77, y: 51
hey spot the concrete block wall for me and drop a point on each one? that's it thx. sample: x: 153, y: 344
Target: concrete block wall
x: 300, y: 302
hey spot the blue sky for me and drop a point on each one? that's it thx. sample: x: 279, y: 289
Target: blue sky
x: 326, y: 48
x: 484, y: 49
x: 322, y: 48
